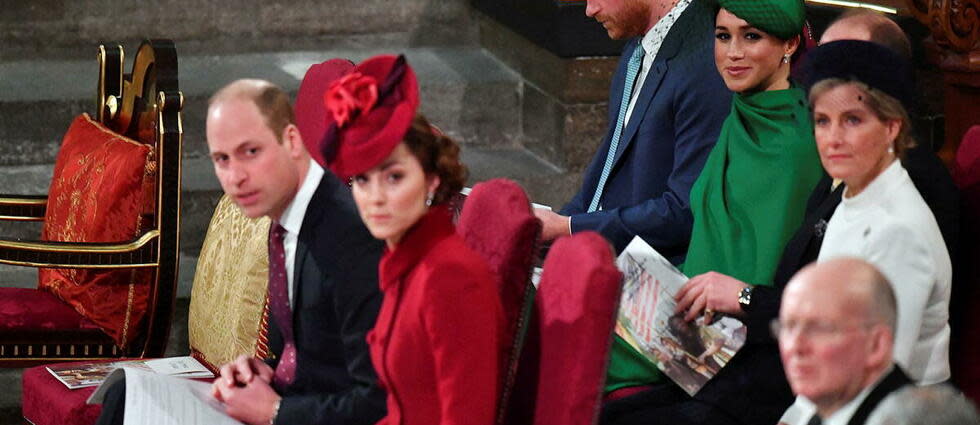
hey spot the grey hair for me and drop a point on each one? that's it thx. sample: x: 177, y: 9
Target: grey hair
x: 929, y: 405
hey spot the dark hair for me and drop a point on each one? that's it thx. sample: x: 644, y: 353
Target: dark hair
x: 439, y: 155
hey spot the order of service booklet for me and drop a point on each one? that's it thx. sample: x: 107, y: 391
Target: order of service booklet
x: 690, y: 353
x: 155, y: 399
x: 92, y: 374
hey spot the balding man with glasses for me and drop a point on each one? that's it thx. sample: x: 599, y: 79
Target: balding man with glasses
x: 836, y: 330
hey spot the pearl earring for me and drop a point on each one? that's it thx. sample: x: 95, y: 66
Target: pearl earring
x: 786, y: 58
x: 428, y: 199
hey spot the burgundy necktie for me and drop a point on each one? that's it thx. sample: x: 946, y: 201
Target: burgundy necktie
x: 279, y: 305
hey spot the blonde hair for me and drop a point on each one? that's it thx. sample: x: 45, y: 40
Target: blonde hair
x: 883, y: 105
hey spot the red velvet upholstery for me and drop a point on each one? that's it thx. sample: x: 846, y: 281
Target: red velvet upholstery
x: 46, y: 401
x: 29, y: 310
x: 497, y: 223
x: 98, y: 194
x: 576, y: 307
x: 966, y: 337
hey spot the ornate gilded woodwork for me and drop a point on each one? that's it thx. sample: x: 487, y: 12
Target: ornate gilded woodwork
x: 147, y: 108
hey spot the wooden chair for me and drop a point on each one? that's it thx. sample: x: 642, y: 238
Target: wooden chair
x: 227, y: 315
x: 138, y: 114
x: 497, y: 222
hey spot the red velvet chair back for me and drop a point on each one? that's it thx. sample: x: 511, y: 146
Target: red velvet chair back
x: 575, y: 307
x: 497, y: 222
x: 966, y: 337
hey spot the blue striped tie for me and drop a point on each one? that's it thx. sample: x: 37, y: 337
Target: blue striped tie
x: 632, y: 68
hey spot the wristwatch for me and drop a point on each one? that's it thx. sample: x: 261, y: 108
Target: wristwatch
x: 745, y: 298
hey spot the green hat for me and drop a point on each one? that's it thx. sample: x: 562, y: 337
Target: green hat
x: 781, y: 18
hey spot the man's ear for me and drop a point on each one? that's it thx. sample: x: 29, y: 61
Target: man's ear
x: 293, y: 140
x: 880, y: 343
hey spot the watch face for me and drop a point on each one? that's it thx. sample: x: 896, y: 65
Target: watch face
x: 745, y: 296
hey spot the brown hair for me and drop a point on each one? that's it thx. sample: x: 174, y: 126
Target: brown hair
x: 884, y: 106
x: 882, y: 30
x: 272, y: 102
x: 439, y: 155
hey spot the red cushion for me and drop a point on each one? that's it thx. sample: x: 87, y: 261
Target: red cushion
x: 498, y: 224
x: 23, y: 309
x: 46, y: 401
x: 576, y: 306
x: 966, y: 167
x: 97, y: 195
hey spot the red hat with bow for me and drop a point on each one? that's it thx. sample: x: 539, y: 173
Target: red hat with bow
x: 368, y: 112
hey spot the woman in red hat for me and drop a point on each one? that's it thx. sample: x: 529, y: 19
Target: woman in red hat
x: 435, y: 344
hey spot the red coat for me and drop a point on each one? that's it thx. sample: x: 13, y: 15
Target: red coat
x: 436, y: 342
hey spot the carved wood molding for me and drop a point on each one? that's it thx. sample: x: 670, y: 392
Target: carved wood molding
x: 955, y: 24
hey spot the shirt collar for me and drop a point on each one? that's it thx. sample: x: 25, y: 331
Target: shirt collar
x: 655, y: 37
x: 292, y: 216
x: 843, y: 415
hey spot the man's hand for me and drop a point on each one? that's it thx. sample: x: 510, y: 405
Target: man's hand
x: 241, y: 372
x: 709, y: 293
x: 553, y: 225
x: 253, y: 403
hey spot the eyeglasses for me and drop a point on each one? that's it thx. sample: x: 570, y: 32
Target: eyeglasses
x: 815, y: 330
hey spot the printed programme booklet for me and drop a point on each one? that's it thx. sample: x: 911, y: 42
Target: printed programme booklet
x: 155, y: 399
x: 92, y: 374
x: 690, y: 353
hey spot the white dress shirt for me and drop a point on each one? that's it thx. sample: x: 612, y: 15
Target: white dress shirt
x: 292, y: 219
x: 651, y: 43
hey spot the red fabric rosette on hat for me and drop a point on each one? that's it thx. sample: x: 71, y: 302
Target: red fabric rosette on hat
x: 368, y: 112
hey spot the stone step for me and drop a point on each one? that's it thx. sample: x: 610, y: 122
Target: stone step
x: 466, y: 91
x: 545, y: 184
x: 56, y: 28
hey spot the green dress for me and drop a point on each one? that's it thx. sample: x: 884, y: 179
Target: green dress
x: 747, y: 202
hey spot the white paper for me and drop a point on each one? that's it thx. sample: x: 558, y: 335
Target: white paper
x: 185, y: 367
x: 153, y: 399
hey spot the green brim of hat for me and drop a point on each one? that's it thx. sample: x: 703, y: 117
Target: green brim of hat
x: 780, y: 18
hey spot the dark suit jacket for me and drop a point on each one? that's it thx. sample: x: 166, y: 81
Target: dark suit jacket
x: 336, y: 302
x: 673, y: 127
x: 892, y: 382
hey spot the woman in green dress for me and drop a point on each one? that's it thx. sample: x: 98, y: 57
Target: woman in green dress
x: 747, y: 202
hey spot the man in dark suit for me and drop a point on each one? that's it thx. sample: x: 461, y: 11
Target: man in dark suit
x: 323, y: 288
x: 666, y: 105
x: 836, y: 331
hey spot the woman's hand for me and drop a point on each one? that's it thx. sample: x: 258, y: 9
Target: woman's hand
x: 709, y: 293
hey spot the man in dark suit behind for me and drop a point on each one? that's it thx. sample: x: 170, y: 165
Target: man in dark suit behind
x: 836, y: 331
x: 327, y: 265
x: 666, y: 105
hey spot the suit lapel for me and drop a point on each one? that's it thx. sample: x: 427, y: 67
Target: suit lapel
x: 671, y: 45
x: 312, y: 218
x: 892, y: 382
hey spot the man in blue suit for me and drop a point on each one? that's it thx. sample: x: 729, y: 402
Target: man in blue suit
x: 666, y: 106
